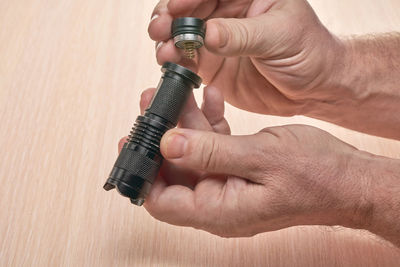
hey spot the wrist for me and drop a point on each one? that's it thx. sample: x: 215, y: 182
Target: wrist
x: 384, y: 196
x: 339, y: 92
x: 361, y: 84
x: 359, y: 189
x: 377, y: 206
x: 350, y: 191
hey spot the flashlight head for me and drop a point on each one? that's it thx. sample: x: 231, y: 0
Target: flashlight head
x: 140, y: 159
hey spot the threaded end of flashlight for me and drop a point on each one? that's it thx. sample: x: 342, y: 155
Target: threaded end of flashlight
x: 140, y: 159
x: 145, y: 133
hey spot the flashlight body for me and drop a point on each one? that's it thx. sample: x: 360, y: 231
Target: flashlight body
x: 139, y: 162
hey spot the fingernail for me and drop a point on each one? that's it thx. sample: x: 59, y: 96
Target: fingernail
x: 159, y: 45
x: 154, y: 17
x: 176, y: 146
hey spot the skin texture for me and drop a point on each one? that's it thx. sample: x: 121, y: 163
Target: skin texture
x: 242, y: 185
x: 291, y: 62
x: 262, y: 50
x: 236, y: 186
x: 275, y: 57
x: 368, y: 87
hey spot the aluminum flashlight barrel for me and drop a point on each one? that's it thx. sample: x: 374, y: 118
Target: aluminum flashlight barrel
x: 139, y: 162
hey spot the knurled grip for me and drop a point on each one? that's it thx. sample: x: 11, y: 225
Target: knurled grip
x: 168, y: 103
x: 137, y: 164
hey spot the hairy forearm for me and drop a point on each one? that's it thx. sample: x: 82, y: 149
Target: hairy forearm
x: 365, y: 86
x: 380, y: 204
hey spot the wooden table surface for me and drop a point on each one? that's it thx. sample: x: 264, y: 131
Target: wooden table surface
x: 71, y: 73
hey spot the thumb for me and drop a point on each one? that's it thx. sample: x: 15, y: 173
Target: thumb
x: 214, y: 153
x: 238, y: 37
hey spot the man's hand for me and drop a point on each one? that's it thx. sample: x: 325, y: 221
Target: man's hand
x: 275, y: 57
x: 277, y: 178
x: 244, y: 185
x: 271, y: 57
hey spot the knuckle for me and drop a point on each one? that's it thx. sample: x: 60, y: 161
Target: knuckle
x: 208, y: 152
x: 244, y: 36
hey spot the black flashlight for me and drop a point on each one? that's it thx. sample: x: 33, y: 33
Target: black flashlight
x: 139, y: 162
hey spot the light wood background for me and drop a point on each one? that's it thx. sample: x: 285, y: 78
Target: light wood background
x: 71, y: 73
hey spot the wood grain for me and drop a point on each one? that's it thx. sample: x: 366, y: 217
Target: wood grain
x: 71, y: 73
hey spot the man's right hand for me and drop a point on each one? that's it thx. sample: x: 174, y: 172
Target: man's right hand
x: 270, y: 57
x: 280, y: 177
x: 275, y: 57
